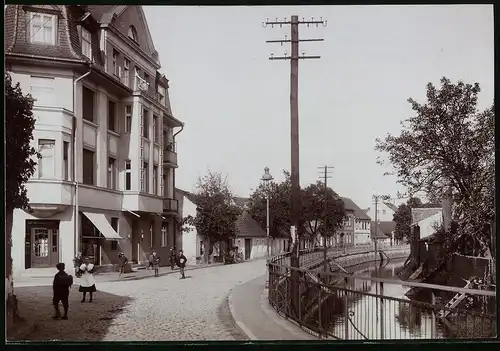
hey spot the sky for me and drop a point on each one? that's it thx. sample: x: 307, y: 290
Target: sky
x: 235, y: 102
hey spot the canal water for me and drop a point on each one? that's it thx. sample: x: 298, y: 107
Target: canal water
x: 391, y: 319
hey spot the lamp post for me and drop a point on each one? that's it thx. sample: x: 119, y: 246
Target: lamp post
x: 266, y: 178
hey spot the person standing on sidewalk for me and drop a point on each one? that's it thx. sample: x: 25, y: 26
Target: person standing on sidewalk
x: 123, y: 264
x: 182, y: 263
x: 77, y: 261
x: 156, y: 263
x: 173, y: 257
x: 87, y: 284
x: 62, y: 283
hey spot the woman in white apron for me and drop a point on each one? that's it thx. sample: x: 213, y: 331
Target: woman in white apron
x: 87, y: 282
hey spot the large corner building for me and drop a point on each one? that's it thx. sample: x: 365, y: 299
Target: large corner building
x: 105, y: 132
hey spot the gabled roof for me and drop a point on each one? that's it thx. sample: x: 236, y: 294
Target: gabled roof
x: 190, y: 196
x: 247, y: 227
x: 380, y: 232
x: 421, y: 213
x: 391, y: 206
x: 349, y: 205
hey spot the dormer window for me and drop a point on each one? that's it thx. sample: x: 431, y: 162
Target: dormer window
x: 42, y: 28
x: 132, y: 33
x: 86, y: 43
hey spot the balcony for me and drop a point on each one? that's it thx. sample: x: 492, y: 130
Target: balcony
x: 170, y: 154
x: 145, y: 88
x: 170, y: 205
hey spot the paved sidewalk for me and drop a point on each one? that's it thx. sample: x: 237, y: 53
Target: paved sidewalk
x: 24, y: 281
x: 256, y: 319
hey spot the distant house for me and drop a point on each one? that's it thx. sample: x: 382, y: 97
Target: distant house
x: 250, y: 237
x: 385, y: 211
x: 427, y: 219
x: 356, y: 229
x: 383, y: 233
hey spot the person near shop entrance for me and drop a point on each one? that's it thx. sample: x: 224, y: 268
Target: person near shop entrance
x: 61, y: 285
x: 87, y: 283
x: 181, y: 262
x: 123, y: 263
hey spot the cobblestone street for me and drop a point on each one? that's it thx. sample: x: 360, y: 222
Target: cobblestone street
x: 164, y: 308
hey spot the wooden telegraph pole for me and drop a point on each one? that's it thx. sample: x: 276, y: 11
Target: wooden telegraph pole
x: 294, y: 130
x: 325, y: 174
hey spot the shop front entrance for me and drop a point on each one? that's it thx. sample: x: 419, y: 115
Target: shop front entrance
x: 42, y: 244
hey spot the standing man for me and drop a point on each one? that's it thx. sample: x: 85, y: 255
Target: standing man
x: 182, y: 263
x: 123, y: 264
x: 172, y: 258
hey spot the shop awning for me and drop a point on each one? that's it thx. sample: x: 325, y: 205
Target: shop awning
x: 102, y: 224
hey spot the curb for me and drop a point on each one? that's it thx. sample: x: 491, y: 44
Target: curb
x: 237, y: 325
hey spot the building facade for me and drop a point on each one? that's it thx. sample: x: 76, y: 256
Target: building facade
x: 385, y: 211
x: 356, y: 227
x: 104, y: 129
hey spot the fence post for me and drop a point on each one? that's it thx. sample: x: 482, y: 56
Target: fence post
x: 382, y: 319
x: 346, y: 312
x: 320, y: 315
x: 433, y: 316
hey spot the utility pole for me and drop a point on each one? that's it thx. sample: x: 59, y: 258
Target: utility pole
x: 326, y: 174
x: 376, y: 198
x: 294, y: 128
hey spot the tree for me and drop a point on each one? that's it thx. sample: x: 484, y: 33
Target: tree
x: 449, y: 143
x: 279, y: 198
x: 312, y: 210
x: 402, y: 218
x: 217, y: 214
x: 19, y: 167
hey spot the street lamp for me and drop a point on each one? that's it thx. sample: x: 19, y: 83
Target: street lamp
x: 266, y: 178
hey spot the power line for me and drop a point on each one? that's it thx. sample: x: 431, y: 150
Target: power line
x: 42, y: 26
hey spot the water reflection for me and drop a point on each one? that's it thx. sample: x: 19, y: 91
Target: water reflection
x: 400, y: 320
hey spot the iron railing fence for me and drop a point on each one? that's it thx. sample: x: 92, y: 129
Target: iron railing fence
x: 341, y: 306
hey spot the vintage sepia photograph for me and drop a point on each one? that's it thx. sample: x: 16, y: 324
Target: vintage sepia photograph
x: 249, y: 173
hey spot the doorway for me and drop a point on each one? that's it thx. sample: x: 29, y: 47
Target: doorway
x: 248, y: 248
x: 44, y: 247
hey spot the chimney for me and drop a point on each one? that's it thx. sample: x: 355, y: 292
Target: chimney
x: 447, y: 209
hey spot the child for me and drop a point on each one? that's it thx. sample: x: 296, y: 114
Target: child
x: 87, y: 283
x: 182, y: 263
x: 61, y: 285
x: 123, y: 263
x: 156, y: 264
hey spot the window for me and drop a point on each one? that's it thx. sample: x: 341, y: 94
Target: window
x: 156, y: 129
x: 42, y: 29
x: 86, y: 43
x: 114, y: 245
x: 145, y: 124
x: 111, y: 173
x: 161, y: 95
x: 164, y: 236
x: 54, y: 241
x: 383, y: 211
x: 155, y: 180
x: 88, y: 104
x: 112, y: 116
x: 88, y: 167
x: 114, y: 223
x: 126, y: 71
x: 128, y: 176
x: 65, y: 160
x: 145, y: 177
x: 46, y: 162
x: 114, y: 65
x: 128, y: 119
x: 42, y: 90
x: 132, y: 33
